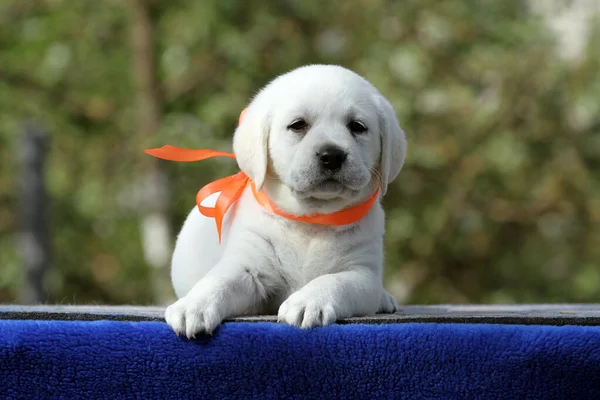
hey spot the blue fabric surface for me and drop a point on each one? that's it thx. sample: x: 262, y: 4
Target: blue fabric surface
x: 114, y: 360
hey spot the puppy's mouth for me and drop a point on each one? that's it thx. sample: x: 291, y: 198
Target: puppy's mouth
x: 329, y: 185
x: 327, y: 189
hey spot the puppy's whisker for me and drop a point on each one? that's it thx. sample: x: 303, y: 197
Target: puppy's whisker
x: 375, y: 176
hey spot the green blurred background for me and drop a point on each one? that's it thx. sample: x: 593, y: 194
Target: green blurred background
x: 499, y: 200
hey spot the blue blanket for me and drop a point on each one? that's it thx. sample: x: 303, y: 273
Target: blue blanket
x: 116, y: 360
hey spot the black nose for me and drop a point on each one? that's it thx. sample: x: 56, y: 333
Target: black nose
x: 331, y: 157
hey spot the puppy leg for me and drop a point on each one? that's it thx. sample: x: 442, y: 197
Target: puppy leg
x: 333, y: 296
x: 226, y: 291
x: 196, y: 251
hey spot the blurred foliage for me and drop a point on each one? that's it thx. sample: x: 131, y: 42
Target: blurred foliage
x: 499, y: 200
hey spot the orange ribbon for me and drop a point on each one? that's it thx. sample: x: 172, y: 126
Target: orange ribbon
x: 231, y: 188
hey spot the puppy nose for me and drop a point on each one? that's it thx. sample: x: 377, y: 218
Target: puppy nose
x: 331, y: 157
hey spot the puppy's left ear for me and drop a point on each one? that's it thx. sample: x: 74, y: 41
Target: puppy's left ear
x: 393, y: 143
x: 250, y: 143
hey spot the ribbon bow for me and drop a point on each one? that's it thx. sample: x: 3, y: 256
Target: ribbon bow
x: 232, y: 187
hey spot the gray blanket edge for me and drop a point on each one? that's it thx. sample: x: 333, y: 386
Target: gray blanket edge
x: 523, y: 314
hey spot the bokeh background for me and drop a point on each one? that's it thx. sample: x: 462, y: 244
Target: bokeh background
x: 499, y: 201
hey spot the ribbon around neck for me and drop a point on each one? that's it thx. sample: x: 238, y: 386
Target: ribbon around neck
x: 232, y: 187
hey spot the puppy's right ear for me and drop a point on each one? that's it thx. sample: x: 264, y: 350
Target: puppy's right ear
x: 250, y: 144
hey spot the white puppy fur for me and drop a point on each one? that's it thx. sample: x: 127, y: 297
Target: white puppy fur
x: 310, y: 275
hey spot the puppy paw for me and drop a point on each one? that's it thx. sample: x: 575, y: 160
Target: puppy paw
x: 191, y: 317
x: 389, y: 304
x: 306, y: 311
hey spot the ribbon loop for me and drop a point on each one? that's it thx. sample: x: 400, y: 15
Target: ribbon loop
x: 231, y: 187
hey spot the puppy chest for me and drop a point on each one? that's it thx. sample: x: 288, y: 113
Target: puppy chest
x: 301, y: 258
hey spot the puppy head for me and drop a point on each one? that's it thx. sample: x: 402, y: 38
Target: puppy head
x: 320, y: 138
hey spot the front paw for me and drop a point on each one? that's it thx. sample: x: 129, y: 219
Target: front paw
x: 192, y: 316
x: 307, y: 311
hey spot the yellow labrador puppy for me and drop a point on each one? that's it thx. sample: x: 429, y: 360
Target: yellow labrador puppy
x: 316, y: 140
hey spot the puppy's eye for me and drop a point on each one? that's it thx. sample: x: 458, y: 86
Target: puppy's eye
x: 298, y: 125
x: 357, y: 127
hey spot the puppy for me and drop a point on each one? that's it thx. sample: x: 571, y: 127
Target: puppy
x: 316, y: 140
